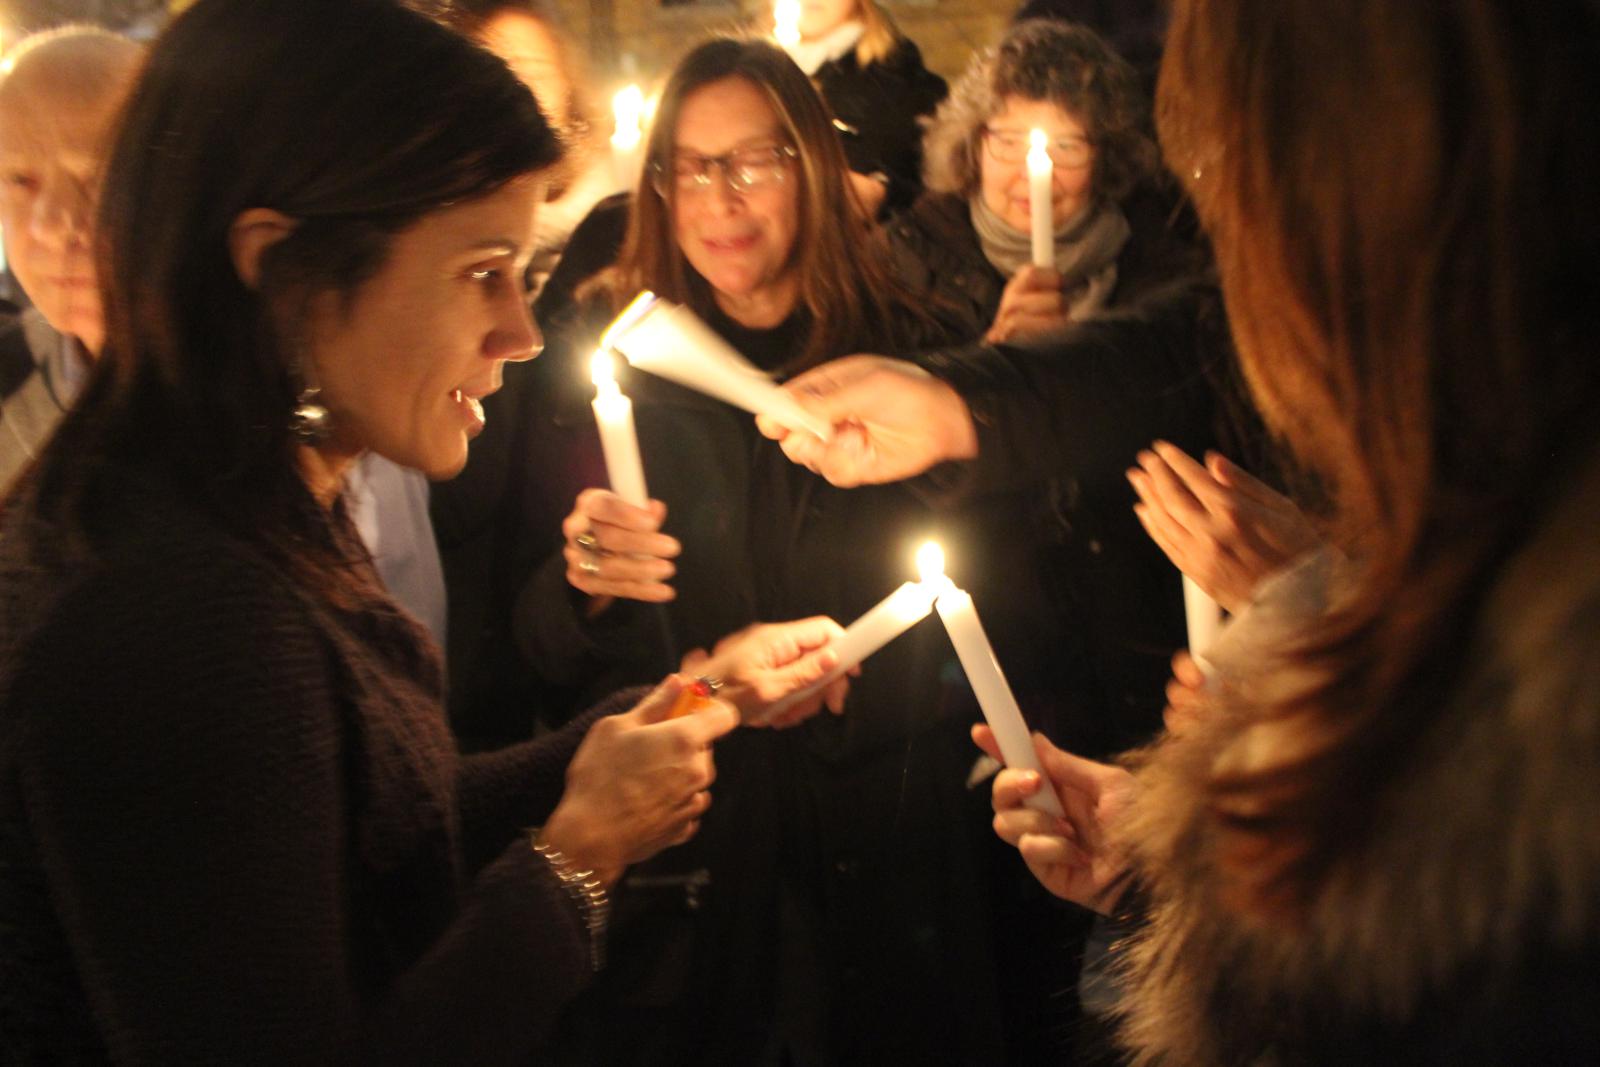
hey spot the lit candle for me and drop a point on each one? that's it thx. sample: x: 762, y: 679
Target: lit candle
x: 667, y: 340
x: 891, y: 617
x: 628, y: 109
x: 1204, y: 618
x: 786, y: 23
x: 1041, y: 171
x: 613, y: 413
x: 988, y: 681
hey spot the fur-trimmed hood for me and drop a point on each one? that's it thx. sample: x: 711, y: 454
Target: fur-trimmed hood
x: 1465, y: 926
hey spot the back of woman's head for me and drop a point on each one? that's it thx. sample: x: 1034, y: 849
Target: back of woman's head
x: 843, y: 276
x: 352, y: 117
x: 1403, y: 203
x: 1061, y: 63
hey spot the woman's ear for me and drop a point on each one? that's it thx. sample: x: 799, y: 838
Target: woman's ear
x: 251, y: 234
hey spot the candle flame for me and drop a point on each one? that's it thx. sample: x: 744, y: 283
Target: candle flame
x: 628, y: 108
x: 601, y: 371
x: 930, y: 561
x: 786, y: 22
x: 1038, y: 149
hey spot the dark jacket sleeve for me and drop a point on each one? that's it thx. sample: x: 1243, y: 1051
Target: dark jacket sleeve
x: 502, y: 793
x: 1092, y: 395
x: 188, y: 790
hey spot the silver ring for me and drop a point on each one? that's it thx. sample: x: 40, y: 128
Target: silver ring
x: 588, y: 542
x: 589, y: 567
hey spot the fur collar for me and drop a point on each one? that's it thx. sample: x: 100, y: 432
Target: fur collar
x: 1484, y: 856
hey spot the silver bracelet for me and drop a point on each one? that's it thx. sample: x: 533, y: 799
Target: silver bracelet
x: 586, y: 891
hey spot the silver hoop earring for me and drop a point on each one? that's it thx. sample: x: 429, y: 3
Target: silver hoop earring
x: 309, y: 422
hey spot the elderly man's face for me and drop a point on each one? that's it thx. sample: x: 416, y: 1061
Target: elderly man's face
x: 53, y: 143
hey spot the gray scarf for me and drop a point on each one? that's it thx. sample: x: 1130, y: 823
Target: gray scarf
x: 1087, y: 246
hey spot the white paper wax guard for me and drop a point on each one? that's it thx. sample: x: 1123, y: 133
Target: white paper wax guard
x: 669, y: 341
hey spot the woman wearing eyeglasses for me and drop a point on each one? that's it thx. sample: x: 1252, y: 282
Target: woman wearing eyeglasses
x: 966, y: 242
x: 836, y: 907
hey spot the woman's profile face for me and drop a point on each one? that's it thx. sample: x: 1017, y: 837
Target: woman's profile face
x: 821, y: 17
x: 740, y: 240
x: 1003, y: 167
x: 402, y: 368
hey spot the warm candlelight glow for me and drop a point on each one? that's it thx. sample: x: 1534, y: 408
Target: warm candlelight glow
x: 628, y: 109
x: 1038, y: 150
x: 601, y: 370
x: 930, y: 562
x: 786, y: 22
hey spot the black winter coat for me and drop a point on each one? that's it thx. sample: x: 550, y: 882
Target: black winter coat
x: 835, y: 906
x: 877, y: 108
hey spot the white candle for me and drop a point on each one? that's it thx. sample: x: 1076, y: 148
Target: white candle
x: 786, y: 23
x: 613, y: 413
x: 891, y: 617
x: 627, y: 137
x: 1204, y: 618
x: 988, y: 681
x: 1041, y: 172
x: 667, y: 339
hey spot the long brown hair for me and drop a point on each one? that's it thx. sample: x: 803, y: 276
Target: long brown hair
x: 1402, y: 201
x: 845, y: 282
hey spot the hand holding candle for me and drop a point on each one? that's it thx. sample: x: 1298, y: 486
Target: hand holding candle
x: 893, y: 616
x: 1041, y: 176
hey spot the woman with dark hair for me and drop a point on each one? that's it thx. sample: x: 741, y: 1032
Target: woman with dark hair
x: 966, y: 242
x: 834, y: 907
x: 1378, y: 844
x: 234, y: 826
x: 872, y: 77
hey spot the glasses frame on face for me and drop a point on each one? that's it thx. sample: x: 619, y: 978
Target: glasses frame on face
x: 737, y: 173
x: 1011, y: 147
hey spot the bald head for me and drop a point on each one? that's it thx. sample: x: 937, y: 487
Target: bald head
x: 59, y: 94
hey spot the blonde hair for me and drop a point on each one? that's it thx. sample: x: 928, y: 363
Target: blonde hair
x: 880, y: 37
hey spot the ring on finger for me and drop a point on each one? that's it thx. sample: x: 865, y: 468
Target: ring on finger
x: 588, y: 542
x: 589, y: 567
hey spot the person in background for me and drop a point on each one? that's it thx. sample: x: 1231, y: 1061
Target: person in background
x: 234, y: 827
x: 967, y: 241
x: 835, y: 908
x: 529, y: 36
x: 492, y: 693
x: 1378, y: 846
x: 874, y: 82
x: 59, y: 92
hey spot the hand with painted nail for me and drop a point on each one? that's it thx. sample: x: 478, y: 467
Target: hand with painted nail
x: 1217, y: 524
x: 1069, y: 856
x: 614, y: 549
x: 761, y: 664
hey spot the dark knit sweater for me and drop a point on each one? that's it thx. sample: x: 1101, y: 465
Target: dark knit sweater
x: 233, y: 827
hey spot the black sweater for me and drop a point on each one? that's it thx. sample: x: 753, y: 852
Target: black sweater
x: 233, y: 827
